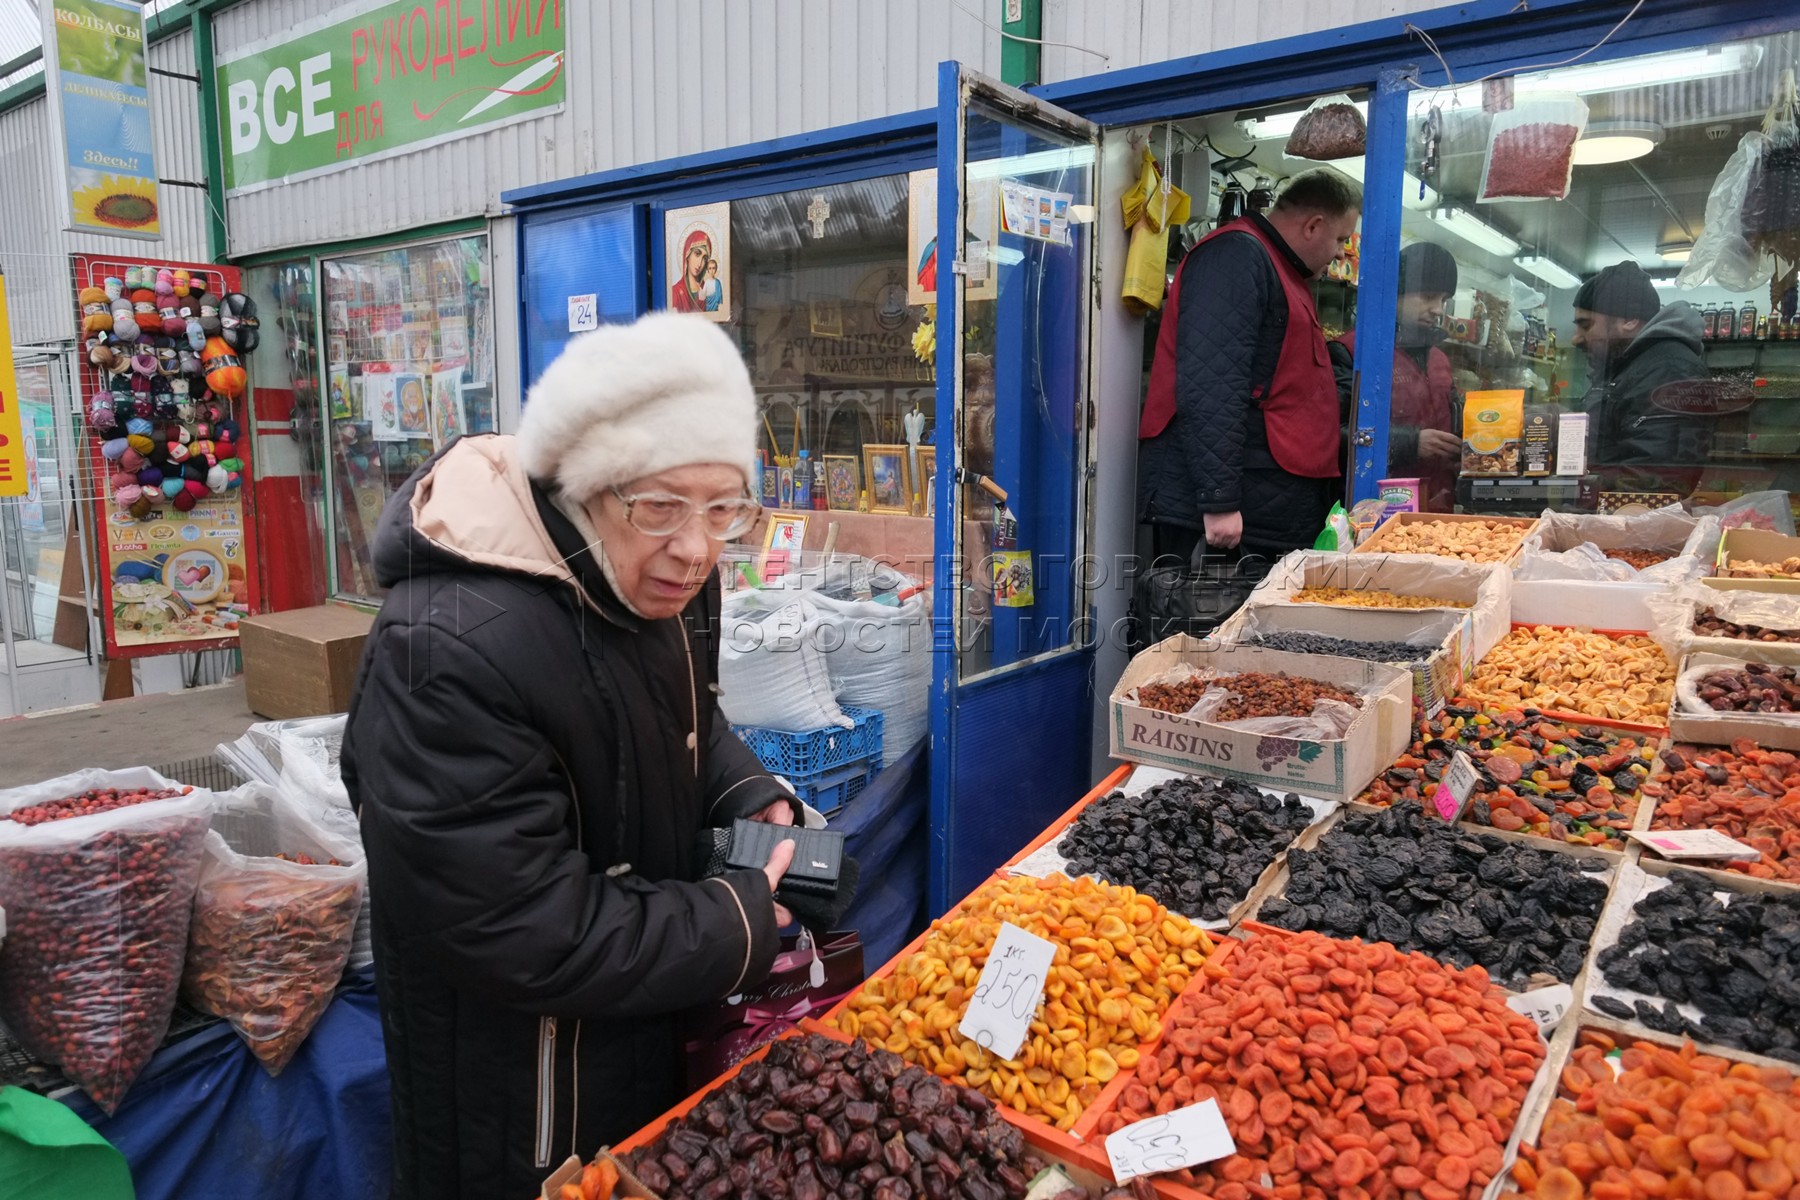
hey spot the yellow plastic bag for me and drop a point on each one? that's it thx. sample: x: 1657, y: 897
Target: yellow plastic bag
x: 1149, y: 209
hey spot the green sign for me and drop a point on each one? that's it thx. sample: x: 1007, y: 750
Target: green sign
x: 376, y: 79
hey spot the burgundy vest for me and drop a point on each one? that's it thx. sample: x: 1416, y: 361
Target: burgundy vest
x: 1299, y: 406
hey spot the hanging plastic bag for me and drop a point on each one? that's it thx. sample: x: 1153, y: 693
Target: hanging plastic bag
x: 1531, y: 148
x: 1149, y: 208
x: 1771, y: 213
x: 271, y: 935
x: 1331, y: 128
x: 1723, y: 255
x: 97, y: 910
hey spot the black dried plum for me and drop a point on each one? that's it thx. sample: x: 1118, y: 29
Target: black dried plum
x: 1612, y: 1006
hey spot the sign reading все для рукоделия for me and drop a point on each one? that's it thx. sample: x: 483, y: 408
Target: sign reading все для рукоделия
x: 369, y: 80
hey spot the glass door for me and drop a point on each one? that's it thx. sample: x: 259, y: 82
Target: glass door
x: 1014, y: 637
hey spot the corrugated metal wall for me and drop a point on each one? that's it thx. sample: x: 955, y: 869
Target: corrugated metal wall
x: 1133, y: 32
x: 33, y: 249
x: 646, y: 81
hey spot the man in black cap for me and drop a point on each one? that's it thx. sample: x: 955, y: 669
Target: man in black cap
x: 1422, y: 409
x: 1636, y: 345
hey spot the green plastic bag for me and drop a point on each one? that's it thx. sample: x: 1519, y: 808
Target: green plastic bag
x: 49, y: 1153
x: 1336, y: 535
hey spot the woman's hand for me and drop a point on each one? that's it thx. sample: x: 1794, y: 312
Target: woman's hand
x: 779, y: 860
x: 779, y: 813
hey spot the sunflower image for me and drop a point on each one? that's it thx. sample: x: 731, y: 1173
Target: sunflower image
x: 117, y: 203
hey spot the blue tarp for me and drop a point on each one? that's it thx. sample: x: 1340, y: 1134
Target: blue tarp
x: 885, y: 830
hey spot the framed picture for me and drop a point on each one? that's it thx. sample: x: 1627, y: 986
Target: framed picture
x: 926, y: 483
x: 890, y: 488
x: 784, y: 539
x: 826, y: 317
x: 981, y: 213
x: 697, y: 254
x: 843, y: 482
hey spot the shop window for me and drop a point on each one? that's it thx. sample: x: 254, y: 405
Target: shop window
x: 409, y: 349
x: 1596, y: 350
x: 814, y: 285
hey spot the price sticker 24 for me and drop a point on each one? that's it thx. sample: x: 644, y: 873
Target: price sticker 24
x: 1185, y: 1137
x: 1009, y: 991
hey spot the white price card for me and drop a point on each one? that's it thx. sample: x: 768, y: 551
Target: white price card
x: 584, y: 313
x: 1696, y: 843
x: 1455, y: 788
x: 1009, y: 991
x: 1546, y: 1006
x: 1185, y: 1137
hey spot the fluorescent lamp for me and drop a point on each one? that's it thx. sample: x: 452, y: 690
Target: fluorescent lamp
x: 1662, y: 283
x: 1279, y: 125
x: 1548, y: 270
x: 1649, y: 70
x: 1356, y: 167
x: 1616, y: 142
x: 1472, y: 229
x: 1676, y: 251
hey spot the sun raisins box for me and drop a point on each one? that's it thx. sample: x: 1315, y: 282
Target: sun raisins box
x: 1327, y: 768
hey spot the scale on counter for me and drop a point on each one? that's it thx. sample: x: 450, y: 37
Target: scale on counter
x: 1527, y: 497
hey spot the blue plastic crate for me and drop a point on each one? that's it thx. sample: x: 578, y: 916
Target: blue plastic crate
x: 829, y: 791
x: 798, y: 756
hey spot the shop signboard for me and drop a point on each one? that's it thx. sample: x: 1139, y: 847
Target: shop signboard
x: 97, y: 85
x: 373, y: 79
x: 15, y: 471
x: 173, y: 580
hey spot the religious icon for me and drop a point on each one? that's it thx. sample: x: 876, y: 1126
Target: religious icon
x: 697, y: 243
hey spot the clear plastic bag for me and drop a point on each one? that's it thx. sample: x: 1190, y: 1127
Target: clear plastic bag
x: 1769, y: 511
x: 1331, y: 128
x: 270, y: 938
x: 1531, y: 148
x: 97, y: 910
x: 1723, y: 255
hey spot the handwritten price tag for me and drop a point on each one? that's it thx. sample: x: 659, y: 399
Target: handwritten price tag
x: 1546, y: 1006
x: 1186, y: 1137
x: 1009, y: 991
x: 584, y: 313
x: 1457, y: 785
x: 1696, y: 843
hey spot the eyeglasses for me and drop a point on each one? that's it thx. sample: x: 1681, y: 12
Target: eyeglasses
x: 663, y: 514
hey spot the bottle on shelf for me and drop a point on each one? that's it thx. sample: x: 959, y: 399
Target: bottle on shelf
x: 1747, y: 322
x: 1727, y: 322
x: 803, y: 482
x: 1709, y: 322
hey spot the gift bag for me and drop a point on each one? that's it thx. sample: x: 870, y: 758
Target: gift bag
x: 806, y: 981
x: 273, y: 919
x: 1149, y: 209
x: 1531, y: 148
x: 97, y: 908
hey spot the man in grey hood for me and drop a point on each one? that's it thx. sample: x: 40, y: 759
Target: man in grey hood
x: 1636, y: 346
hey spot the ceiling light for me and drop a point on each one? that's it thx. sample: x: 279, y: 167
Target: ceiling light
x: 1472, y: 229
x: 1409, y: 198
x: 1662, y: 283
x: 1649, y: 70
x: 1677, y: 251
x: 1616, y: 142
x: 1277, y: 126
x: 1548, y: 270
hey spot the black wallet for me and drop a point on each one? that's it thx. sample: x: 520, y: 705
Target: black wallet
x: 817, y: 887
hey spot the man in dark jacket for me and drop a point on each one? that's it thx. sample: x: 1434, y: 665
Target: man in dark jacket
x: 1239, y: 441
x: 1422, y: 404
x: 1636, y: 348
x: 533, y: 745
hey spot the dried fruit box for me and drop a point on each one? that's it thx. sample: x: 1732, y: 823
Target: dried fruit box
x: 1577, y: 718
x: 1382, y: 541
x: 1753, y: 545
x: 1055, y: 829
x: 1786, y: 653
x: 1327, y: 768
x: 1773, y: 731
x: 1415, y: 583
x: 1661, y: 779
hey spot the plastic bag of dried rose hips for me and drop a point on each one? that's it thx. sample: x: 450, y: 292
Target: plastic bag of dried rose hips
x: 97, y: 876
x: 1332, y: 128
x: 273, y: 918
x: 1531, y: 148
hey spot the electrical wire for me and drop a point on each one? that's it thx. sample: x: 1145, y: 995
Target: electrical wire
x: 1103, y: 57
x: 1431, y: 44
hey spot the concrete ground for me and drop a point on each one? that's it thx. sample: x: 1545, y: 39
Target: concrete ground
x: 143, y: 731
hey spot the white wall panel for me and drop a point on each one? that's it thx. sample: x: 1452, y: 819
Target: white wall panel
x: 34, y: 250
x: 647, y: 80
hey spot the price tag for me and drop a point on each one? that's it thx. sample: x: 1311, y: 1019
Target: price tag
x: 1546, y: 1006
x: 1009, y: 991
x: 1186, y: 1137
x: 584, y: 313
x: 1455, y: 788
x: 1696, y: 843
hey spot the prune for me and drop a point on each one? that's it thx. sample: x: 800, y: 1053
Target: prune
x: 1452, y: 890
x: 1195, y: 845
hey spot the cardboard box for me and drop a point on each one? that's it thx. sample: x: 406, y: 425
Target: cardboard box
x: 1584, y: 603
x: 1767, y: 729
x: 1380, y: 541
x: 1571, y: 444
x: 1761, y: 546
x: 1539, y: 438
x: 1485, y: 588
x: 1329, y: 769
x: 1435, y: 682
x: 302, y: 663
x: 1744, y: 607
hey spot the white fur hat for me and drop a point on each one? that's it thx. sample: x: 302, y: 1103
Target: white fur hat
x: 626, y: 401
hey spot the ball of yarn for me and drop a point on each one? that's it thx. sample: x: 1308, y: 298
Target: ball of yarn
x: 141, y: 508
x: 115, y: 448
x: 184, y: 502
x: 132, y: 461
x: 173, y: 487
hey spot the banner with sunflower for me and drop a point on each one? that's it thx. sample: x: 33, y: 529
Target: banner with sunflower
x: 98, y: 88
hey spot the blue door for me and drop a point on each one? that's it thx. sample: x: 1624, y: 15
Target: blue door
x: 1013, y: 658
x: 578, y: 268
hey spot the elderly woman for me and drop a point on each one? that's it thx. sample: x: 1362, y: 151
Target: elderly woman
x: 535, y: 743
